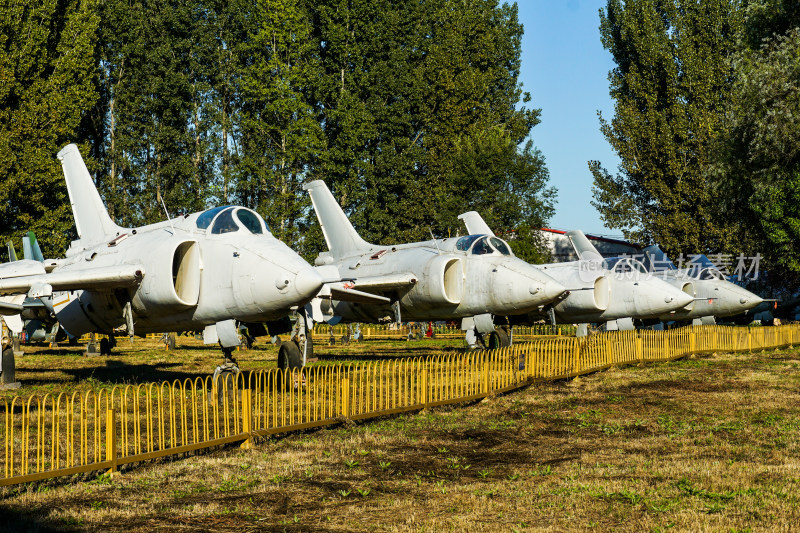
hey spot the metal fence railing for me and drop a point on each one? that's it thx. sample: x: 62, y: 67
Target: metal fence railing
x: 419, y: 329
x: 57, y: 435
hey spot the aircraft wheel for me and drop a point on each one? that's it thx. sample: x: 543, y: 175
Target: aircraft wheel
x: 224, y: 380
x: 105, y: 347
x: 498, y: 339
x: 289, y: 356
x: 8, y: 369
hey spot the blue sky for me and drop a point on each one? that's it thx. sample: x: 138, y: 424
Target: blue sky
x: 565, y: 68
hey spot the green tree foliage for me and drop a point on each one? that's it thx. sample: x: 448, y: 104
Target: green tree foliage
x: 670, y: 85
x: 280, y: 136
x: 759, y: 160
x: 156, y: 82
x: 415, y: 94
x: 46, y: 85
x: 409, y: 110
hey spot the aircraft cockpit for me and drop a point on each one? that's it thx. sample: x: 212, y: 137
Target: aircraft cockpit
x: 230, y: 219
x: 710, y: 273
x: 483, y: 244
x: 625, y: 265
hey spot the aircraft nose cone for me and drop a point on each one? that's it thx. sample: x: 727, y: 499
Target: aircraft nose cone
x: 746, y: 299
x: 553, y: 289
x: 307, y: 282
x: 679, y: 298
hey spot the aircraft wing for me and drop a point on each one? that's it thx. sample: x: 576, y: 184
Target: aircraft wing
x: 346, y: 293
x: 385, y: 283
x: 10, y: 308
x: 64, y: 280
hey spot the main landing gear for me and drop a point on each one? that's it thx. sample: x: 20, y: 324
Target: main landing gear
x: 226, y: 375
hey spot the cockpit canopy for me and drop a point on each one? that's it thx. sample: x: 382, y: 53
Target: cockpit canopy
x: 483, y: 244
x: 230, y: 219
x: 625, y: 265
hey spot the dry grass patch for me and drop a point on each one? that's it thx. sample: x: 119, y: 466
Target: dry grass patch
x: 695, y: 445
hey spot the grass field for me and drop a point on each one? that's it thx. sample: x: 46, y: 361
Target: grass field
x: 706, y: 444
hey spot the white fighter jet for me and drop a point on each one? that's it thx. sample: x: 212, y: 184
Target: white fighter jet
x: 598, y: 295
x: 203, y: 271
x: 440, y: 279
x: 715, y: 295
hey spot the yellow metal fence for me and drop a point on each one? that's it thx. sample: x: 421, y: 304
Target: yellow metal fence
x: 58, y: 435
x: 392, y: 332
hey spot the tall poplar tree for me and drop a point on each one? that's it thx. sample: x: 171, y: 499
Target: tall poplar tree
x: 280, y: 135
x: 670, y: 85
x: 411, y: 93
x: 758, y: 167
x: 156, y: 63
x: 46, y: 72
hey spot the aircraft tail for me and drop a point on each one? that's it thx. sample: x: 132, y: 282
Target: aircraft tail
x: 475, y: 223
x: 12, y: 253
x: 583, y: 247
x: 91, y: 218
x: 30, y: 248
x: 340, y: 235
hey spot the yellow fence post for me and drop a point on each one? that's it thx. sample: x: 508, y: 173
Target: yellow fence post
x: 692, y: 342
x: 424, y: 386
x: 576, y: 353
x: 111, y: 440
x: 344, y: 400
x: 639, y: 348
x: 485, y: 356
x: 749, y: 339
x: 247, y: 417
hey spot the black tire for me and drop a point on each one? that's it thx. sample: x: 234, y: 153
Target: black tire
x: 225, y: 383
x: 105, y: 347
x: 289, y: 356
x: 248, y: 341
x: 498, y: 339
x: 8, y: 374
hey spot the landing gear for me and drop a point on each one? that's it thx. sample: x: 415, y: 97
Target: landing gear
x: 499, y: 338
x: 107, y: 344
x: 289, y: 356
x: 169, y: 340
x: 225, y: 376
x: 8, y: 370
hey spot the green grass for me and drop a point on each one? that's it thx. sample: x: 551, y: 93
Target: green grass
x: 667, y: 447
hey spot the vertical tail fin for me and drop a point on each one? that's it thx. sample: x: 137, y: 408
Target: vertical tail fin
x: 30, y: 248
x: 475, y: 223
x: 12, y: 253
x: 91, y: 217
x: 583, y: 247
x: 340, y: 234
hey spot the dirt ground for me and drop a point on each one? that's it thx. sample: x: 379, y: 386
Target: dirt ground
x: 707, y: 444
